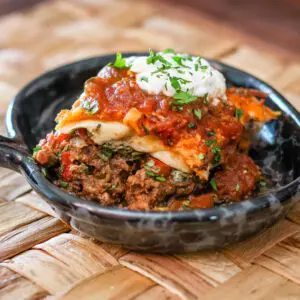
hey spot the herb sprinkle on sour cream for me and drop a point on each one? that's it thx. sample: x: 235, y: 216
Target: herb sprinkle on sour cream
x: 181, y: 76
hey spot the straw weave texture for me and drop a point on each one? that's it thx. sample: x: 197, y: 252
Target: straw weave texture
x: 40, y: 257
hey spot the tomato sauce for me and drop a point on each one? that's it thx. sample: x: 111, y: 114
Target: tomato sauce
x: 116, y: 92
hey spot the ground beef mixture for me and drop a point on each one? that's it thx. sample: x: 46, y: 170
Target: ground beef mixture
x: 114, y: 174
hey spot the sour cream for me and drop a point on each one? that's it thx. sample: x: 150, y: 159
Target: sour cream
x: 167, y: 73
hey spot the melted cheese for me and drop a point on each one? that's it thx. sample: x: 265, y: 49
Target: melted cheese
x: 102, y: 132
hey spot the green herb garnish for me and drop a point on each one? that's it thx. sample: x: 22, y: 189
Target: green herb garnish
x: 168, y: 50
x: 155, y: 176
x: 262, y: 183
x: 150, y: 163
x: 209, y: 142
x: 197, y: 113
x: 36, y: 149
x: 192, y: 125
x: 144, y: 78
x: 237, y: 187
x: 201, y: 156
x: 120, y: 61
x: 239, y: 113
x: 211, y: 133
x: 213, y: 183
x: 205, y: 98
x: 63, y: 184
x: 182, y: 98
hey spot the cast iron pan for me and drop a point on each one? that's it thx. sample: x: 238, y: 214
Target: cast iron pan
x: 276, y: 148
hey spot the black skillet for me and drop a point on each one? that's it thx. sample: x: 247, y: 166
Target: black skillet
x: 276, y: 148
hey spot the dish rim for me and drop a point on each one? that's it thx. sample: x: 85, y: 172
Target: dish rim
x: 36, y: 178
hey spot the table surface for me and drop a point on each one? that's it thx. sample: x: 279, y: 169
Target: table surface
x: 40, y: 256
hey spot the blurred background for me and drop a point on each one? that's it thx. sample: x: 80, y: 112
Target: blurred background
x: 273, y: 21
x: 259, y: 36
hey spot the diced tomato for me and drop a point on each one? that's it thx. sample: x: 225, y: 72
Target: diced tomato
x: 147, y: 106
x: 62, y: 137
x: 203, y: 201
x: 164, y: 169
x: 66, y: 158
x: 66, y: 173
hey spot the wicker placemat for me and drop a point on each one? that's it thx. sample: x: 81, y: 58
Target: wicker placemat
x: 40, y: 256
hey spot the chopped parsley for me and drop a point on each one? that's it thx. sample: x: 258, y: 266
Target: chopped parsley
x: 211, y: 133
x: 182, y: 98
x: 192, y: 125
x: 209, y: 142
x: 63, y: 184
x: 150, y: 163
x: 90, y: 105
x: 201, y: 156
x: 217, y: 153
x: 147, y: 132
x: 205, y: 98
x: 203, y: 68
x: 168, y: 50
x: 197, y: 113
x: 120, y: 61
x: 155, y: 176
x: 178, y: 60
x: 262, y: 183
x: 237, y: 187
x: 213, y: 184
x: 144, y: 78
x: 175, y: 83
x: 239, y: 113
x: 36, y: 149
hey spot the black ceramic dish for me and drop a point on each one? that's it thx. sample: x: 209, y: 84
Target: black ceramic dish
x: 276, y: 148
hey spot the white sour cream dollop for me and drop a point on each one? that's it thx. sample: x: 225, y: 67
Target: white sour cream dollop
x: 193, y: 74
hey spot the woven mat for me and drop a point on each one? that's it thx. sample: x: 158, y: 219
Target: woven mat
x: 40, y: 257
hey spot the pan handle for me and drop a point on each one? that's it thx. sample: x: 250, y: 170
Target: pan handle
x: 12, y: 153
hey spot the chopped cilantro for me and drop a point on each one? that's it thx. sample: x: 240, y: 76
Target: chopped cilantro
x: 144, y: 78
x: 36, y: 149
x: 211, y: 133
x: 175, y: 83
x: 196, y: 67
x: 201, y: 156
x: 168, y: 50
x: 213, y: 183
x: 63, y: 184
x: 147, y: 132
x: 150, y: 163
x: 262, y: 183
x: 203, y: 68
x: 151, y: 58
x: 239, y: 113
x: 198, y: 113
x: 155, y: 176
x: 182, y: 98
x: 209, y: 142
x: 160, y: 178
x: 120, y: 61
x: 192, y: 125
x: 178, y: 60
x: 90, y: 105
x: 107, y: 153
x: 217, y: 153
x: 205, y: 98
x: 237, y: 187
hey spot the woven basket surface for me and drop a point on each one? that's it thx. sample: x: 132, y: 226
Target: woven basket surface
x: 41, y: 257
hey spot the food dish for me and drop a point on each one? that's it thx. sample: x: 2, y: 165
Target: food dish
x: 157, y: 132
x: 275, y: 148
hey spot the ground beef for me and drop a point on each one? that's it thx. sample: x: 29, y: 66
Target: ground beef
x: 144, y: 193
x: 113, y: 174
